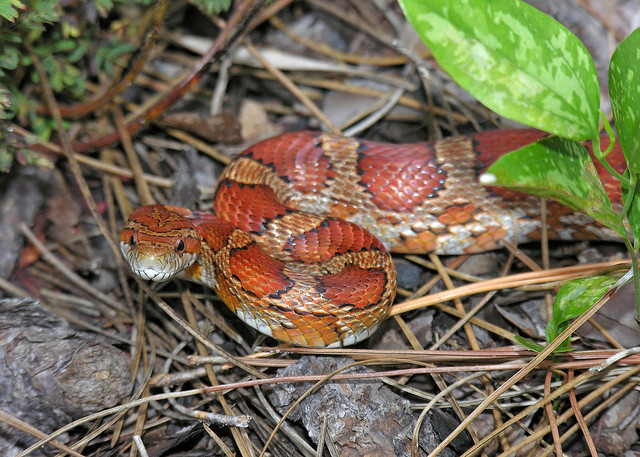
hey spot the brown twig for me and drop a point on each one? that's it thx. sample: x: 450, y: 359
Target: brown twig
x: 513, y: 281
x: 132, y: 157
x: 536, y: 361
x: 66, y: 147
x: 21, y: 425
x: 242, y: 14
x: 140, y: 58
x: 553, y: 424
x: 597, y: 393
x: 577, y: 412
x: 286, y: 82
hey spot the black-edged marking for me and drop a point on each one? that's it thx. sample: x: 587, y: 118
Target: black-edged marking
x: 321, y: 288
x: 265, y: 220
x: 280, y: 292
x: 269, y: 165
x: 282, y: 277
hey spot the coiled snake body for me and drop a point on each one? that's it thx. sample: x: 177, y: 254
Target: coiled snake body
x: 287, y: 251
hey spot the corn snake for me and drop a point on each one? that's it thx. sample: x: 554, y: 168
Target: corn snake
x: 287, y: 252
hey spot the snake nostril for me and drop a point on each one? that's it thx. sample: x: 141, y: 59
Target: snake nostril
x: 132, y: 241
x: 180, y: 246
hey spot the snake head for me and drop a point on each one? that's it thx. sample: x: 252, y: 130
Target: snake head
x: 159, y: 242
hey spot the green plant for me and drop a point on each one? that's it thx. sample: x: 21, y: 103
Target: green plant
x: 73, y: 47
x: 9, y: 9
x: 43, y: 28
x: 212, y: 6
x: 526, y: 66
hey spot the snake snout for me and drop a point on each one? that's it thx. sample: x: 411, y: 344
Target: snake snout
x: 154, y: 266
x: 159, y: 243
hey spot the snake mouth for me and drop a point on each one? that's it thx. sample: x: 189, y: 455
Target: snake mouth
x: 153, y: 274
x: 154, y: 267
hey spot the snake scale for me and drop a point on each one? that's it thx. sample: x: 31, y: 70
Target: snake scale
x: 299, y: 247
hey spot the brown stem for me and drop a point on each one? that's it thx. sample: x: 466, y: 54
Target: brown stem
x: 140, y: 58
x: 66, y: 147
x: 219, y: 48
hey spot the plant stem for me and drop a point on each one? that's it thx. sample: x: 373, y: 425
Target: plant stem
x: 628, y: 198
x: 602, y: 155
x: 628, y: 201
x: 636, y: 280
x: 635, y: 266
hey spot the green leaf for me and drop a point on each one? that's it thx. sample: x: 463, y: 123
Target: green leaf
x: 63, y: 45
x: 56, y: 81
x: 516, y: 60
x: 11, y: 37
x: 527, y: 343
x: 624, y: 88
x: 10, y: 58
x: 573, y: 299
x: 6, y: 105
x: 560, y: 170
x: 212, y: 6
x: 8, y: 9
x: 79, y: 51
x: 103, y: 7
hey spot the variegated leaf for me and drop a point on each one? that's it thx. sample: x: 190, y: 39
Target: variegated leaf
x: 516, y: 60
x: 624, y: 86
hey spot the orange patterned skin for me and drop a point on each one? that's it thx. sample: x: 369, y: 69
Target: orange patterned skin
x: 287, y: 251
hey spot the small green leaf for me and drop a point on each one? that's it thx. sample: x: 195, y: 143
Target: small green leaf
x: 573, y: 299
x: 103, y: 7
x: 56, y: 81
x: 10, y: 58
x: 624, y: 87
x: 527, y: 343
x: 212, y: 6
x: 79, y: 51
x: 560, y: 170
x: 8, y: 9
x: 63, y: 45
x: 6, y: 105
x: 11, y: 37
x: 516, y: 60
x: 70, y: 29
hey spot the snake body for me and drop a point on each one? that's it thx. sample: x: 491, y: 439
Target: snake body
x: 299, y: 246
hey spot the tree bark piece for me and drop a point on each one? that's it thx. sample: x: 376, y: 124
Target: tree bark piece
x: 363, y: 417
x: 51, y: 373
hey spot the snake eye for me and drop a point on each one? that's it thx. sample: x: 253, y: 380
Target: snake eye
x: 180, y: 246
x: 132, y: 241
